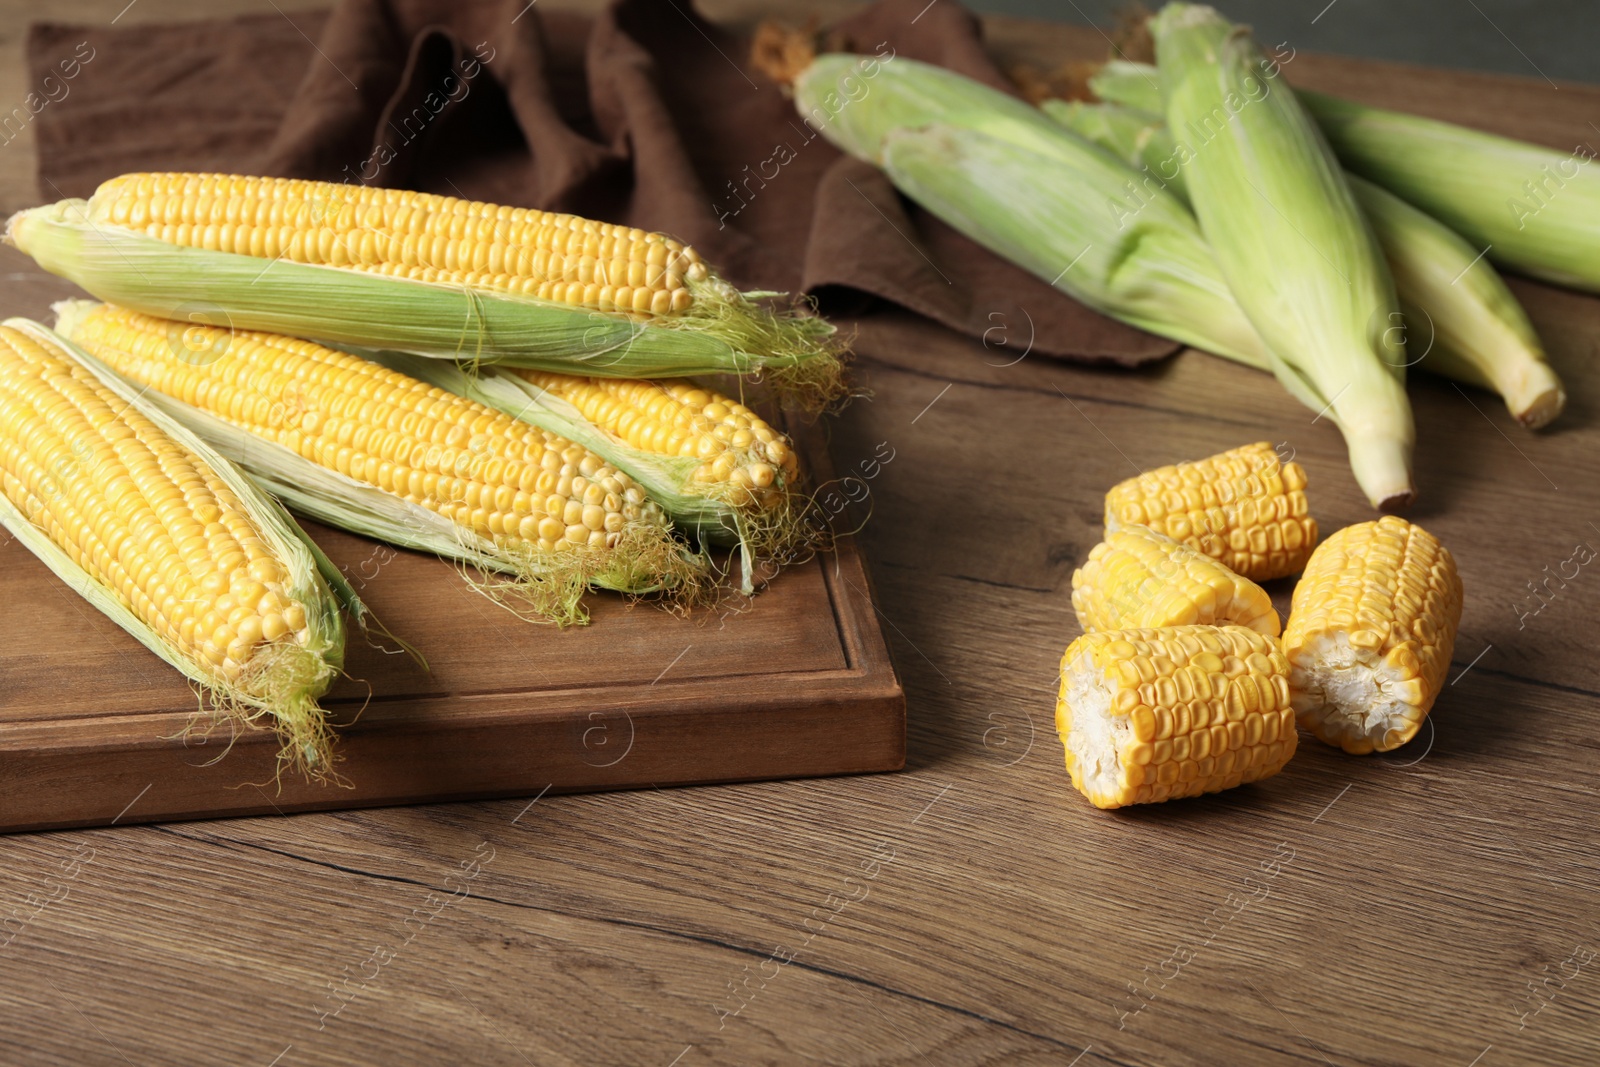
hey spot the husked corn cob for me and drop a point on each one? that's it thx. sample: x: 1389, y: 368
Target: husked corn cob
x: 406, y: 234
x: 1137, y: 579
x: 415, y: 272
x: 1371, y: 630
x: 715, y: 467
x: 1244, y: 507
x: 737, y: 449
x: 543, y: 507
x: 149, y: 526
x: 1150, y: 715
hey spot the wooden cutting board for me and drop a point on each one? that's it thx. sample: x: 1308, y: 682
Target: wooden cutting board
x: 794, y: 682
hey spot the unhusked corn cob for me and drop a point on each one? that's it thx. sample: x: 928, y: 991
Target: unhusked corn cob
x: 437, y: 276
x: 1150, y: 715
x: 406, y: 234
x: 1290, y: 239
x: 1137, y: 578
x: 993, y: 167
x: 1245, y: 508
x: 736, y: 448
x: 201, y: 576
x: 1371, y: 630
x: 542, y: 502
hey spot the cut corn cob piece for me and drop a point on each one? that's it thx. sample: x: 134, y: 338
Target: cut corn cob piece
x: 1291, y: 240
x: 169, y: 540
x: 1456, y: 307
x: 422, y: 273
x: 1152, y: 715
x: 1140, y: 579
x: 994, y: 168
x: 1371, y: 630
x: 366, y: 448
x: 717, y: 468
x: 1245, y: 508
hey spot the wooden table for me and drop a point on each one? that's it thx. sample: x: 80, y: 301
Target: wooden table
x: 1434, y: 906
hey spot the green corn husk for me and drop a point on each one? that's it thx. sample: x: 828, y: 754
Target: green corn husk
x: 1008, y: 177
x: 285, y: 691
x: 1453, y: 297
x: 772, y: 535
x: 1535, y: 209
x: 724, y: 332
x: 1473, y: 328
x: 1133, y: 85
x: 544, y: 587
x: 1291, y: 240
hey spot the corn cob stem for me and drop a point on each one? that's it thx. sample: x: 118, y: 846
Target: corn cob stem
x: 164, y: 536
x: 433, y: 275
x: 1291, y: 241
x: 368, y: 449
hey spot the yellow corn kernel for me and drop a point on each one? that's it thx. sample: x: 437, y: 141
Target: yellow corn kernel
x: 1371, y: 630
x: 1244, y: 507
x: 407, y: 234
x: 1137, y: 578
x: 1130, y: 735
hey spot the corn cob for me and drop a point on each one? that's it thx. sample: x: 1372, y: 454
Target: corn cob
x: 716, y: 468
x: 364, y: 447
x: 422, y: 273
x: 1244, y: 508
x: 993, y: 167
x: 1151, y: 715
x: 1371, y: 630
x: 1291, y: 240
x: 169, y: 540
x: 1471, y: 327
x: 1140, y: 579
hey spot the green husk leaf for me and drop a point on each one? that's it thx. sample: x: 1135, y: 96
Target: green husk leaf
x: 285, y: 680
x: 1133, y: 85
x: 541, y: 586
x: 724, y: 332
x: 1469, y: 326
x: 1016, y: 182
x: 1536, y: 210
x: 1291, y: 240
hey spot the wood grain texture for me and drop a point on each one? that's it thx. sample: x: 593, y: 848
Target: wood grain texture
x: 974, y: 910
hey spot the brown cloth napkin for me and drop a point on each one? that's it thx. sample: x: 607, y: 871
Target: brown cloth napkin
x: 647, y: 114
